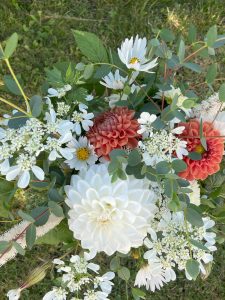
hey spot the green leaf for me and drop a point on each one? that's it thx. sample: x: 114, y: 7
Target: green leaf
x: 56, y: 209
x: 18, y: 120
x: 57, y: 235
x: 179, y: 165
x: 163, y: 167
x: 11, y: 45
x: 11, y: 85
x: 192, y: 33
x: 18, y: 248
x: 138, y: 293
x: 25, y: 216
x: 202, y: 138
x: 4, y: 245
x: 88, y: 71
x: 222, y: 93
x: 194, y: 67
x: 167, y: 35
x: 30, y: 236
x: 36, y: 105
x: 124, y: 273
x: 170, y: 187
x: 91, y: 46
x: 211, y: 73
x: 211, y: 36
x: 41, y: 213
x: 188, y: 103
x: 174, y: 204
x: 54, y: 77
x: 194, y: 217
x: 54, y: 195
x: 7, y: 192
x: 115, y: 264
x: 194, y: 155
x: 199, y: 245
x: 181, y: 51
x: 192, y: 267
x: 134, y: 158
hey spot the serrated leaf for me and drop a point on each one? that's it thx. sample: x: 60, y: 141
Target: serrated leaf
x: 211, y: 73
x: 192, y: 267
x: 18, y: 248
x: 11, y: 45
x: 193, y: 217
x: 222, y: 93
x: 25, y: 216
x: 211, y: 36
x: 30, y: 236
x: 124, y: 273
x: 36, y: 105
x: 91, y: 46
x: 56, y: 209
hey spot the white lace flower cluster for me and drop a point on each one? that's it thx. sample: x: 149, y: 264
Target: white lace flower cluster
x: 159, y: 145
x: 81, y: 277
x: 172, y: 242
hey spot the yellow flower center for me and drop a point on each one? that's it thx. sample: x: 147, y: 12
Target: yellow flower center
x: 83, y: 153
x: 134, y: 60
x: 200, y: 149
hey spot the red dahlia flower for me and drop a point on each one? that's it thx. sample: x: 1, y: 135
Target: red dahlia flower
x: 113, y: 130
x: 211, y: 158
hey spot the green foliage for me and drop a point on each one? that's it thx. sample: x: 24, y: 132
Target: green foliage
x: 30, y: 236
x: 211, y: 36
x: 11, y: 85
x: 192, y: 267
x: 194, y: 217
x: 36, y: 105
x: 40, y: 214
x: 11, y: 45
x: 55, y: 208
x: 124, y: 273
x: 222, y: 93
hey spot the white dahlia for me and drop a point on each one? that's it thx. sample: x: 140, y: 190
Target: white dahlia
x: 108, y: 216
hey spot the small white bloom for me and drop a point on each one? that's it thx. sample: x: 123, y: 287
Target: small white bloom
x: 55, y: 125
x: 104, y: 282
x: 194, y: 196
x: 89, y: 97
x: 14, y: 294
x: 62, y: 109
x: 83, y: 153
x: 133, y: 54
x: 81, y: 119
x: 95, y: 295
x: 114, y: 81
x: 146, y: 120
x: 58, y: 261
x: 56, y: 294
x: 60, y: 92
x: 56, y: 149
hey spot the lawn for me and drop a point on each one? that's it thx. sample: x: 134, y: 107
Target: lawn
x: 44, y: 27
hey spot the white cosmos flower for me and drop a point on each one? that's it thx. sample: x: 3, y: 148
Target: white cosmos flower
x: 133, y: 54
x: 83, y: 153
x: 25, y: 164
x: 114, y: 81
x: 82, y: 119
x: 194, y: 196
x: 56, y: 294
x: 101, y: 210
x: 14, y: 294
x: 152, y: 276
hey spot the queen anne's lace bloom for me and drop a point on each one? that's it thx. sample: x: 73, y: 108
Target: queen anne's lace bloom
x: 101, y: 210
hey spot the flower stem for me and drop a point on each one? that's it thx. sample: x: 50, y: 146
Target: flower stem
x: 15, y: 106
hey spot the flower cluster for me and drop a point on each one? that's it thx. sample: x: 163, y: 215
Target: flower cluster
x: 80, y: 277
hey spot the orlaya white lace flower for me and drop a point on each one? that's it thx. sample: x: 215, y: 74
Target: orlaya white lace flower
x: 60, y: 92
x: 82, y: 265
x: 25, y: 164
x: 114, y: 81
x: 133, y: 54
x: 95, y: 295
x: 146, y: 119
x: 81, y: 119
x: 101, y: 210
x: 104, y: 282
x: 56, y: 147
x: 56, y: 294
x: 83, y: 153
x: 55, y: 125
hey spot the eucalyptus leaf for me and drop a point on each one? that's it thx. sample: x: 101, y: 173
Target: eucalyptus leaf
x: 192, y: 267
x: 11, y: 45
x: 30, y: 236
x: 194, y: 217
x: 222, y: 93
x: 124, y: 273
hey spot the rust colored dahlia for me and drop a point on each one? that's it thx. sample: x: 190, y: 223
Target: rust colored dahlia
x: 211, y: 158
x: 114, y: 129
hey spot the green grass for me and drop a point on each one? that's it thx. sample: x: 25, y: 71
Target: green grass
x: 45, y: 28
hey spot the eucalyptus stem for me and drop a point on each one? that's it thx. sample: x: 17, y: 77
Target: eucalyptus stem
x: 18, y: 84
x: 15, y: 106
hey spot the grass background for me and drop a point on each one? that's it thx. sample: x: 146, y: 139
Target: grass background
x: 45, y: 27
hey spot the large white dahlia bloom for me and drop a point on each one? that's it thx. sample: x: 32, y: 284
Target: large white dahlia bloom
x: 109, y: 216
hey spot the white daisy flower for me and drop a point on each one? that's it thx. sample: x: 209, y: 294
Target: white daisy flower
x: 83, y: 153
x: 25, y: 164
x: 151, y: 276
x: 56, y: 294
x: 133, y: 54
x: 114, y: 81
x: 101, y: 210
x: 81, y: 119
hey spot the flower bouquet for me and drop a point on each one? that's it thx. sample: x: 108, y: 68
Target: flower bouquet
x: 125, y: 154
